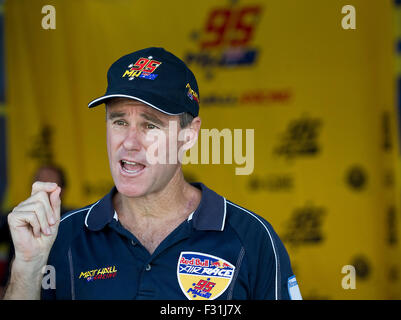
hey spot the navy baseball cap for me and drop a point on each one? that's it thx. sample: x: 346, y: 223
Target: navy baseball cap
x: 155, y: 77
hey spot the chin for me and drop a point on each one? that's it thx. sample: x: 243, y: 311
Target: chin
x: 131, y: 190
x: 142, y: 183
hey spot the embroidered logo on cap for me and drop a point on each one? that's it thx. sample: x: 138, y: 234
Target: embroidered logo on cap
x: 142, y: 68
x: 202, y: 276
x: 191, y: 93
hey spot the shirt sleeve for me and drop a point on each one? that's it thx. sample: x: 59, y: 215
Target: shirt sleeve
x: 274, y: 279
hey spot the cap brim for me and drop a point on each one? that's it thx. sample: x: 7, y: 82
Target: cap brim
x: 104, y: 98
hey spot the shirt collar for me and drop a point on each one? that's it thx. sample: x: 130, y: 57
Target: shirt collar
x: 209, y: 216
x: 211, y: 212
x: 101, y: 213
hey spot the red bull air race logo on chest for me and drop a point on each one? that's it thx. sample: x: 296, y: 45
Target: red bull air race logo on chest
x: 202, y: 276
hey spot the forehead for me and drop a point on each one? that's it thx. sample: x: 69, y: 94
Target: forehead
x: 127, y: 106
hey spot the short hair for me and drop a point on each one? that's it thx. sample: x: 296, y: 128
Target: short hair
x: 185, y: 119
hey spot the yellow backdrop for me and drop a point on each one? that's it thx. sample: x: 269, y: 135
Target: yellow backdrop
x: 320, y: 98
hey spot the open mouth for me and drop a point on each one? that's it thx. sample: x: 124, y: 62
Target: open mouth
x: 131, y: 167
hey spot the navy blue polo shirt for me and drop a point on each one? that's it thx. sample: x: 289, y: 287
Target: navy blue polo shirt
x: 222, y: 251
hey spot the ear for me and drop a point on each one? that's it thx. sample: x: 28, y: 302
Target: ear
x: 196, y: 124
x: 189, y: 135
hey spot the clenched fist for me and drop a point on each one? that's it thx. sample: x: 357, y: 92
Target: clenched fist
x: 34, y: 223
x: 33, y: 226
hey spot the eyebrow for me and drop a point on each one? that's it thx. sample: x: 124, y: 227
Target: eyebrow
x: 116, y: 114
x: 153, y: 119
x: 119, y: 114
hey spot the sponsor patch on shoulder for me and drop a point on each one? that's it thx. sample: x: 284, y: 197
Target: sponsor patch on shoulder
x: 202, y: 276
x: 293, y: 289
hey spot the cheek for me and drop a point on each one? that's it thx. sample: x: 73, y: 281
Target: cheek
x: 109, y: 141
x: 152, y: 138
x: 155, y: 147
x: 112, y: 143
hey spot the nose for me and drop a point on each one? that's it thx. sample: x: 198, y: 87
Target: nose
x: 131, y: 140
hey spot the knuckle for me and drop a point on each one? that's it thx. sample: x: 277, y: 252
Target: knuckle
x: 41, y: 195
x: 41, y: 186
x: 10, y: 217
x: 38, y: 206
x: 36, y: 185
x: 22, y: 203
x: 40, y: 211
x: 12, y: 214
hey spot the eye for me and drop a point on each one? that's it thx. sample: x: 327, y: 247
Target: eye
x: 120, y: 123
x: 150, y: 126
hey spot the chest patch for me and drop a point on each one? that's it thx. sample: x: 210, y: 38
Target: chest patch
x: 202, y: 276
x: 99, y: 274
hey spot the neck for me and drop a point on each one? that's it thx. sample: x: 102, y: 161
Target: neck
x: 177, y: 200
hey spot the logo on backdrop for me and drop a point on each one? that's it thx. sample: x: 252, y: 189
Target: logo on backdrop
x: 362, y: 266
x: 386, y: 143
x: 305, y: 226
x: 392, y: 226
x: 225, y: 40
x: 300, y: 138
x: 271, y: 182
x: 226, y: 37
x: 356, y: 177
x: 202, y: 276
x: 42, y: 145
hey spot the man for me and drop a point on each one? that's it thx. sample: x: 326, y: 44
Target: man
x: 154, y: 236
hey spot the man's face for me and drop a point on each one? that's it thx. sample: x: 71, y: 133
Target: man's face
x: 130, y: 128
